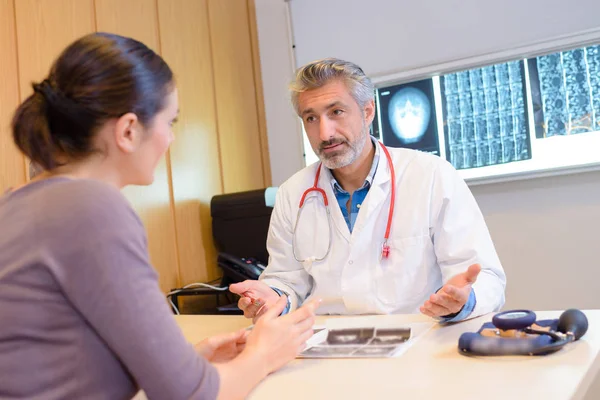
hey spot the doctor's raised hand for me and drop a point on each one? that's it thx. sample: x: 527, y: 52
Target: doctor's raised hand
x: 452, y: 297
x: 256, y: 297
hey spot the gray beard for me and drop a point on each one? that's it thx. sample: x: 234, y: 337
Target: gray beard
x: 348, y: 157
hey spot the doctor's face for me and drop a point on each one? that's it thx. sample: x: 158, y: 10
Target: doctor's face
x: 336, y: 126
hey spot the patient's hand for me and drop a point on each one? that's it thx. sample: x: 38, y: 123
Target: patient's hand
x: 257, y: 297
x: 223, y: 348
x: 451, y: 298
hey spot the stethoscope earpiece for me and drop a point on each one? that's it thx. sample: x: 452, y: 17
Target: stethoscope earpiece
x: 385, y: 250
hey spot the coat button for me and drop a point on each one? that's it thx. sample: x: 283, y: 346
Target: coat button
x: 350, y: 262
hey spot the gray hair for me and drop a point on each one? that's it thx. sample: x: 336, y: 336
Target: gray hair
x: 321, y: 72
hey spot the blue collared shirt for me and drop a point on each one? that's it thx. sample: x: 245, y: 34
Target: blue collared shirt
x: 359, y: 195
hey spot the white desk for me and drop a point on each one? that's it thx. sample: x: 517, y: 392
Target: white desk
x: 431, y: 368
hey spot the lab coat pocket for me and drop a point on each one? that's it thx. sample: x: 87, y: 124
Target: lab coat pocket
x: 402, y: 277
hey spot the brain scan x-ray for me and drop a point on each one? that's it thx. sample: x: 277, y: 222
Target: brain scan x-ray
x: 407, y: 116
x: 409, y: 112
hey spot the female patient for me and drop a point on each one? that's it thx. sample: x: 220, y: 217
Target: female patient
x: 81, y: 313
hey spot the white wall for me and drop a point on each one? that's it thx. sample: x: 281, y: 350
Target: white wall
x: 388, y: 36
x: 277, y: 68
x: 546, y: 233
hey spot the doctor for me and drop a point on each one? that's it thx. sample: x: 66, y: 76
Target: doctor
x: 381, y: 230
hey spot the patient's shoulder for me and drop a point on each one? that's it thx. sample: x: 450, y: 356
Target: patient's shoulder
x: 86, y: 201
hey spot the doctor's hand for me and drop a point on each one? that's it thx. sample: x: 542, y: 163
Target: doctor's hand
x: 257, y: 298
x: 451, y: 298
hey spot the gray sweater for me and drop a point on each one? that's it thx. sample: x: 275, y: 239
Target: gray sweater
x: 81, y: 313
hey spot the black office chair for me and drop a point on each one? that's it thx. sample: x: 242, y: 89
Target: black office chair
x: 240, y: 224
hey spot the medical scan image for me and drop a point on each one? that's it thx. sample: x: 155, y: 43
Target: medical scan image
x: 409, y: 114
x: 359, y: 342
x: 406, y: 116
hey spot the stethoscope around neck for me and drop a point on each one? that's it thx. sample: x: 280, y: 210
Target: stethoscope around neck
x: 385, y: 248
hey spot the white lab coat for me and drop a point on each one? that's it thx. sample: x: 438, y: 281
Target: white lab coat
x: 437, y: 232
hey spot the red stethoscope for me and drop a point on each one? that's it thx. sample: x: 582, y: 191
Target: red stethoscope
x: 385, y: 248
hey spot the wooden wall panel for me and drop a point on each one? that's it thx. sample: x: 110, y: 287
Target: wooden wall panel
x: 195, y: 163
x: 236, y: 96
x: 12, y: 162
x: 260, y: 101
x: 44, y: 29
x: 138, y: 19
